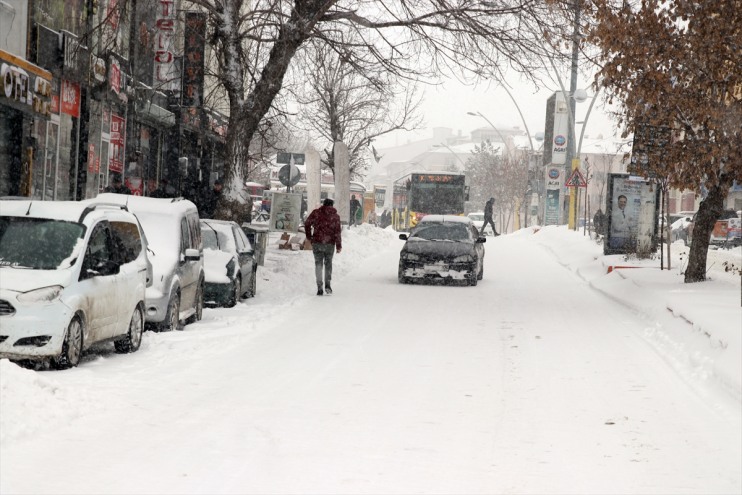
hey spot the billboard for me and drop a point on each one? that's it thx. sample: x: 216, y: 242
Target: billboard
x: 285, y: 212
x: 631, y: 216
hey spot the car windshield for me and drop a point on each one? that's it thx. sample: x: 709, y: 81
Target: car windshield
x: 209, y: 238
x: 442, y: 232
x: 39, y: 243
x: 476, y: 217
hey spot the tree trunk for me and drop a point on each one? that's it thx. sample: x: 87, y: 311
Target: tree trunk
x: 708, y: 211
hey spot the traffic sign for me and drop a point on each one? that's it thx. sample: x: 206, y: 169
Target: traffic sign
x: 576, y: 179
x: 289, y: 175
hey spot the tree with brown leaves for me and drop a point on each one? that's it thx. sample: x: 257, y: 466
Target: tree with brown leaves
x: 677, y: 65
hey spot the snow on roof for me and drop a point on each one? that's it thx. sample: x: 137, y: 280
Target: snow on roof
x: 68, y: 211
x: 143, y: 204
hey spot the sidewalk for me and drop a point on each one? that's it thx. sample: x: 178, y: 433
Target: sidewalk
x: 697, y: 327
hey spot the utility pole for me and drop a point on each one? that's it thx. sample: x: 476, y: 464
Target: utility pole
x: 570, y: 164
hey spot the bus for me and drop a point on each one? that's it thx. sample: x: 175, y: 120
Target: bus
x: 427, y: 193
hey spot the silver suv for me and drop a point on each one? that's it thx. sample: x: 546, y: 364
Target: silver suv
x: 176, y: 252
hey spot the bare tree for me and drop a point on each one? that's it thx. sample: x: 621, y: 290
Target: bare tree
x: 257, y: 41
x: 685, y: 76
x: 341, y: 104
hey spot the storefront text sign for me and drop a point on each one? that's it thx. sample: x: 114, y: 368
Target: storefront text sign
x: 70, y: 96
x: 22, y: 84
x: 118, y: 138
x: 165, y: 69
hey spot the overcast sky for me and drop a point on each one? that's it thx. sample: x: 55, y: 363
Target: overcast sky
x: 447, y: 106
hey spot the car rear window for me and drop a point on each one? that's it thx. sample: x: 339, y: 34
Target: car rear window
x: 442, y: 231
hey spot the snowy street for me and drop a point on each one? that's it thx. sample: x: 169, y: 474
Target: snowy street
x: 531, y: 382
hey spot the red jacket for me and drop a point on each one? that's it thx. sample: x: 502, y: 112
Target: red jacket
x: 323, y: 226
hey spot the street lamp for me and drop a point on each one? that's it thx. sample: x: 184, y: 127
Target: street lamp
x: 479, y: 114
x: 444, y: 145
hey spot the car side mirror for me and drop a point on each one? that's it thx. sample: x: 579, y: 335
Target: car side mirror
x: 403, y: 237
x: 481, y: 240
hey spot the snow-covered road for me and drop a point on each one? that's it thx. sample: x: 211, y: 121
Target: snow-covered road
x: 530, y: 382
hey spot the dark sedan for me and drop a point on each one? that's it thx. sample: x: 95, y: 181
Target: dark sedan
x: 229, y: 263
x: 442, y: 247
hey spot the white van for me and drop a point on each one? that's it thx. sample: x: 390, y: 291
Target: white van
x: 71, y: 276
x: 176, y: 252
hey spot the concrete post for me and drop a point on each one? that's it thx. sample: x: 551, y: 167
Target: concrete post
x: 342, y: 181
x: 314, y: 177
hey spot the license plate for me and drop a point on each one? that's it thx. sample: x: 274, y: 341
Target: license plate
x: 435, y: 268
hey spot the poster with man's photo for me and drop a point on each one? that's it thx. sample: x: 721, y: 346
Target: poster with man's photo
x: 631, y: 215
x: 285, y: 212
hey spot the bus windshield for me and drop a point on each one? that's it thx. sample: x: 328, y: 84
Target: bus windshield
x: 437, y: 199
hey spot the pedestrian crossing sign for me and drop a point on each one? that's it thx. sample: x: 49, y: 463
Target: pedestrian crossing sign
x: 576, y: 179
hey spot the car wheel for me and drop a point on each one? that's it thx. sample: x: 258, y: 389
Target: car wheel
x: 480, y: 275
x: 199, y: 305
x: 172, y: 318
x: 72, y: 346
x: 236, y: 293
x: 253, y: 284
x: 134, y: 338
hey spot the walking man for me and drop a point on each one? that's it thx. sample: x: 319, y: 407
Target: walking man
x: 355, y: 205
x: 322, y: 228
x: 488, y: 207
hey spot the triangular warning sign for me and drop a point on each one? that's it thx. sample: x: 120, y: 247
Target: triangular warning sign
x: 576, y: 179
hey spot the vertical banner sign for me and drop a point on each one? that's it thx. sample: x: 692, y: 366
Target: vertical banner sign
x: 193, y: 59
x: 561, y: 130
x: 166, y: 74
x: 118, y: 137
x: 554, y: 186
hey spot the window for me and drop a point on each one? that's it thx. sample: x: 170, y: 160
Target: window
x: 126, y: 240
x: 99, y: 248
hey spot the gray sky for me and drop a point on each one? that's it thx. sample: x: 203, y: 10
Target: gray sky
x: 447, y: 106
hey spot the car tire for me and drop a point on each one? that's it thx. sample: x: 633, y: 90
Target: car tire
x: 480, y: 275
x: 252, y: 290
x: 236, y: 293
x: 199, y: 305
x: 172, y: 318
x: 71, y: 347
x: 133, y: 338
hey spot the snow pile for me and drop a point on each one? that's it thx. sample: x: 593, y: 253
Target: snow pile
x: 32, y: 401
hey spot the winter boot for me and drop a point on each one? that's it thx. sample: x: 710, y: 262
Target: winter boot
x: 319, y: 290
x: 328, y: 290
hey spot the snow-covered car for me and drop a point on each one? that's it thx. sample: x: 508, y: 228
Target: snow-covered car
x: 442, y: 247
x: 477, y: 219
x: 229, y: 263
x: 71, y: 276
x: 175, y: 250
x: 727, y: 230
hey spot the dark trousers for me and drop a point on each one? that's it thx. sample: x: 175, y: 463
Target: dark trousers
x: 323, y: 261
x: 484, y: 225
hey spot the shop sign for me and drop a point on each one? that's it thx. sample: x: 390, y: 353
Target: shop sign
x: 112, y: 14
x: 93, y: 164
x: 193, y: 60
x: 115, y: 76
x: 74, y: 55
x: 165, y: 69
x: 70, y: 96
x: 26, y: 89
x: 99, y: 69
x: 118, y: 138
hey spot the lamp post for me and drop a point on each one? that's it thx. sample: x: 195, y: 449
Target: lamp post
x: 444, y: 145
x: 479, y: 114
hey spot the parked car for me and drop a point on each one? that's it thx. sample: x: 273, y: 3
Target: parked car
x: 727, y: 230
x: 477, y: 218
x: 229, y: 263
x: 71, y: 275
x: 175, y: 250
x: 442, y: 247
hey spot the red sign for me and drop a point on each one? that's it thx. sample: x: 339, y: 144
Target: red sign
x: 115, y: 77
x: 70, y: 96
x: 118, y: 138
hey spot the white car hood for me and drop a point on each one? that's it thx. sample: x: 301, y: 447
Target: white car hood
x: 24, y: 280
